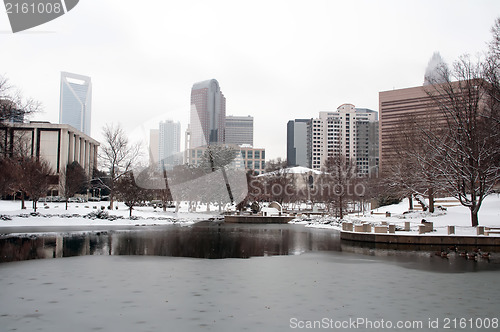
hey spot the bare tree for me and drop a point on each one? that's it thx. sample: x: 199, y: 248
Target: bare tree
x: 128, y: 191
x: 76, y: 180
x: 491, y: 69
x: 13, y: 105
x: 34, y: 178
x: 117, y: 155
x: 7, y: 176
x: 466, y: 151
x: 280, y: 185
x: 414, y: 171
x: 338, y: 182
x: 275, y: 164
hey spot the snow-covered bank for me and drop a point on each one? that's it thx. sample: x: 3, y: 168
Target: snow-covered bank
x: 93, y: 214
x: 456, y: 215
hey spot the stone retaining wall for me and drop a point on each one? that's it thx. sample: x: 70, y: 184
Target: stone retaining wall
x: 258, y: 219
x: 421, y: 239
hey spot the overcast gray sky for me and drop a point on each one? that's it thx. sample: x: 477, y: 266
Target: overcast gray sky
x: 275, y: 60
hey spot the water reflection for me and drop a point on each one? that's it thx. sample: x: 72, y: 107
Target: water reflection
x: 203, y: 240
x: 215, y: 241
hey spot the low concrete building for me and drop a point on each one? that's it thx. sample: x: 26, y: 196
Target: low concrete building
x: 58, y: 144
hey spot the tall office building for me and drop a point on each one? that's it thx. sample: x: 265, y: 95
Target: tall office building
x: 350, y: 132
x: 154, y: 146
x: 169, y: 144
x: 208, y: 114
x: 298, y: 143
x: 76, y: 101
x: 410, y: 106
x: 239, y: 130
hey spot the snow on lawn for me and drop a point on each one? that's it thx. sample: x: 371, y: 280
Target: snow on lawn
x: 91, y: 214
x: 458, y: 216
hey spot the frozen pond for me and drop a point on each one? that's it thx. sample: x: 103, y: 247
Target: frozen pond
x: 311, y: 279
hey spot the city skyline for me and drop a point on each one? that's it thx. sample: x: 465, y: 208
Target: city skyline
x: 296, y: 61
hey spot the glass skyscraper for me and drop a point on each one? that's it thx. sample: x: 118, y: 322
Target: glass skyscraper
x: 208, y: 114
x: 76, y: 101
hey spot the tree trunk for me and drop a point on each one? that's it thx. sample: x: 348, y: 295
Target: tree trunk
x: 66, y: 204
x: 410, y: 202
x: 34, y: 205
x: 130, y: 214
x: 431, y: 200
x: 23, y: 207
x: 474, y: 217
x: 341, y: 210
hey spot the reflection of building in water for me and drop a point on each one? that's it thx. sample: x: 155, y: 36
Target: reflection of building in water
x: 206, y: 241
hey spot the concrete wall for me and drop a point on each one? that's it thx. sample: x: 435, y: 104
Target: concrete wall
x: 421, y: 239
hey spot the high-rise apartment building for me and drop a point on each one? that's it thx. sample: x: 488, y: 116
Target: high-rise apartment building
x: 208, y: 114
x: 298, y: 143
x: 239, y: 130
x: 169, y: 144
x: 348, y: 131
x: 76, y: 101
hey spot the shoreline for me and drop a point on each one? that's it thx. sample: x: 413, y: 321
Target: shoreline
x: 446, y: 240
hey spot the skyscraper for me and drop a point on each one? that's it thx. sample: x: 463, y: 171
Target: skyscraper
x: 154, y: 146
x: 208, y: 114
x: 76, y: 101
x: 239, y: 130
x: 298, y: 143
x: 399, y: 108
x: 350, y: 132
x: 169, y: 144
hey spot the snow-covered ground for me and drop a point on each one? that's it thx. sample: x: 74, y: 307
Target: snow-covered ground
x: 455, y: 215
x: 83, y: 214
x: 86, y: 214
